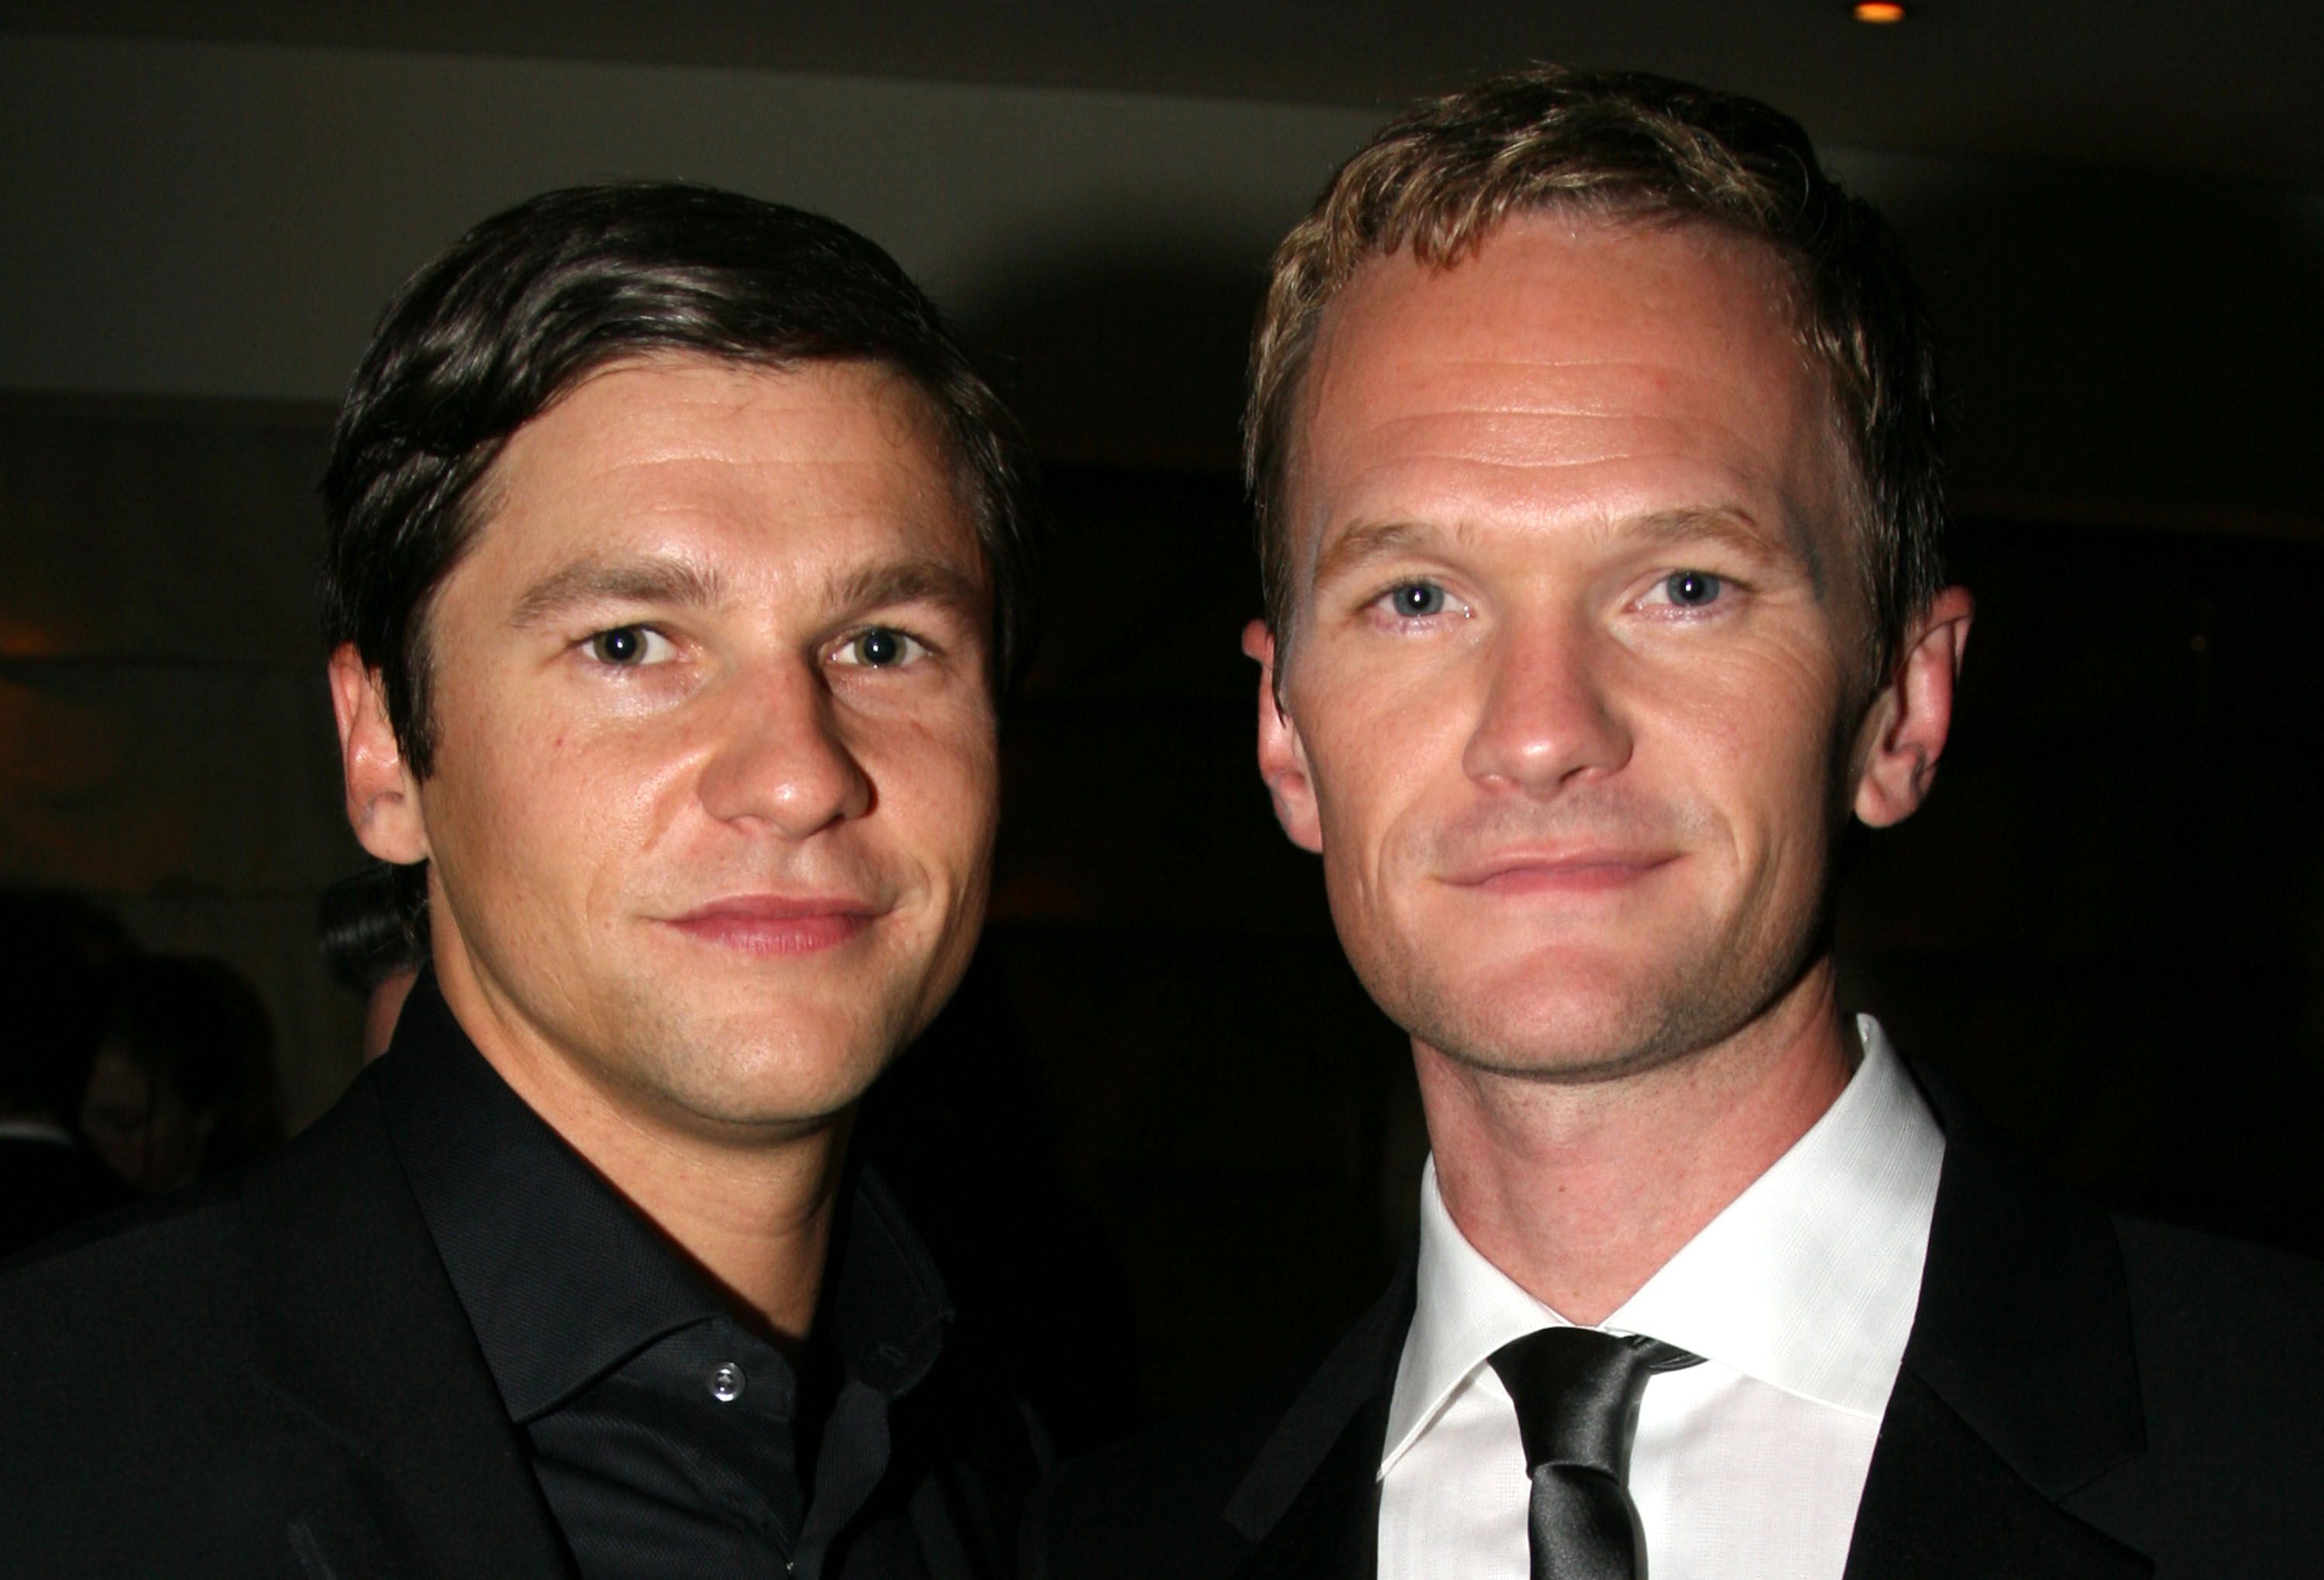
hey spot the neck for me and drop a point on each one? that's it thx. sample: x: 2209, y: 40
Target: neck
x: 1581, y: 1190
x: 754, y: 1210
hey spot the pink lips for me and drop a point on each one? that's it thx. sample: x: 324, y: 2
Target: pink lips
x: 1577, y: 872
x: 777, y: 925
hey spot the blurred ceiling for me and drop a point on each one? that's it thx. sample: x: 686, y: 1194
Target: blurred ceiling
x: 2233, y: 87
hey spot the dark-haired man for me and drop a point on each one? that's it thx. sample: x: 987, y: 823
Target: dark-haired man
x: 1593, y: 437
x: 676, y: 562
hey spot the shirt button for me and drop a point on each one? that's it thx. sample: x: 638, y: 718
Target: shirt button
x: 726, y: 1381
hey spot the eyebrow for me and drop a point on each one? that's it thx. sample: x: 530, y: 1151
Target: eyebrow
x: 670, y: 583
x: 911, y: 581
x: 673, y: 583
x: 1739, y: 532
x: 1724, y: 526
x: 1370, y: 541
x: 1728, y: 528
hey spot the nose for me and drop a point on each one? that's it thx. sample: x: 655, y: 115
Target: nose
x: 1547, y: 716
x: 781, y: 758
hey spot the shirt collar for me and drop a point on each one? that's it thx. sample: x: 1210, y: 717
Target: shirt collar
x: 562, y: 1279
x: 1807, y: 1281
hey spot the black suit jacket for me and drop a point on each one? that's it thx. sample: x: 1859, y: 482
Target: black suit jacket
x: 270, y: 1375
x: 2082, y: 1396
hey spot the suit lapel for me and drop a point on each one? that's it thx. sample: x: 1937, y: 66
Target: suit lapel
x: 2019, y: 1385
x: 1310, y: 1502
x: 1331, y: 1530
x: 1939, y: 1503
x: 362, y: 1336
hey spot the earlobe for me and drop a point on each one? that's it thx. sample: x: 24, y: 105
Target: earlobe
x: 383, y: 798
x: 1905, y: 729
x: 1282, y: 756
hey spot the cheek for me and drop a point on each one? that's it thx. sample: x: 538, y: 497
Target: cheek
x: 1381, y: 751
x: 937, y: 786
x: 539, y: 804
x: 1751, y: 736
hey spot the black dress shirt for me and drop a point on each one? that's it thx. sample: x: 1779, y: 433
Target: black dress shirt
x: 668, y: 1438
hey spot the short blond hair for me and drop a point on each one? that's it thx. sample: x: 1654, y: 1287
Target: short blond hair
x: 1443, y: 176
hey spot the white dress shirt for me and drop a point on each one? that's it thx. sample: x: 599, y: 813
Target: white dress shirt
x: 1799, y: 1297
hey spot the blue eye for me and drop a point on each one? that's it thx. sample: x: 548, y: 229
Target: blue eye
x: 1692, y: 589
x: 1417, y: 600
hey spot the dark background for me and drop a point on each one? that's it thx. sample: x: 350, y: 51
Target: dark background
x: 2108, y: 923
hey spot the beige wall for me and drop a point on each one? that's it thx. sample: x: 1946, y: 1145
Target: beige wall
x: 226, y: 220
x: 201, y: 219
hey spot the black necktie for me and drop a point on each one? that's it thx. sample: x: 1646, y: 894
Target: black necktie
x: 1577, y: 1393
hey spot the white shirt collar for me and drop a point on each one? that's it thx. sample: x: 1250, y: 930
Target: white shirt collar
x: 1808, y: 1281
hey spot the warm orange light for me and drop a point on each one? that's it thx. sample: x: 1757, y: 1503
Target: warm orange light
x: 1881, y: 11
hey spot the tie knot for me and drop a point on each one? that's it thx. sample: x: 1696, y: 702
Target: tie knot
x: 1577, y: 1392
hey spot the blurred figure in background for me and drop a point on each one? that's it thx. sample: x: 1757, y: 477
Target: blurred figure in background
x: 373, y: 930
x: 183, y: 1080
x: 48, y: 1178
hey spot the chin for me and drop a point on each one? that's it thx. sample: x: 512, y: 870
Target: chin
x: 1560, y: 1042
x: 761, y: 1058
x: 798, y: 1082
x: 1557, y: 1014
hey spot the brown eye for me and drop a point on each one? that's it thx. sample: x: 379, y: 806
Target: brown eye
x: 627, y: 647
x: 881, y: 647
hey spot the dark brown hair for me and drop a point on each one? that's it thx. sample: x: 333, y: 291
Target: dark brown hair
x: 1440, y: 178
x: 523, y: 307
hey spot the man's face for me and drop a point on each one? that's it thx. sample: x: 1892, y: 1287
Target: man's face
x: 716, y: 781
x: 1573, y: 663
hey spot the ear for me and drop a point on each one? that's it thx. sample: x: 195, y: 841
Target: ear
x: 1282, y: 756
x: 1904, y: 731
x: 382, y: 797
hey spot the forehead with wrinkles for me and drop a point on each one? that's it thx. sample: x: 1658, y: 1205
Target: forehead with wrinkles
x: 1570, y: 366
